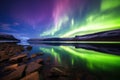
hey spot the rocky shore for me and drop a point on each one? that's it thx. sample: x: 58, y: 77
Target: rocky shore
x: 15, y: 64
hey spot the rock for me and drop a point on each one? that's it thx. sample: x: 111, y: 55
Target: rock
x: 33, y: 66
x: 48, y: 59
x: 32, y: 76
x: 36, y: 54
x: 29, y: 48
x: 15, y: 75
x: 16, y: 50
x: 11, y: 49
x: 2, y: 53
x: 63, y: 78
x: 79, y: 76
x: 33, y: 55
x: 39, y: 61
x: 21, y: 48
x: 91, y: 77
x: 59, y: 70
x: 39, y: 54
x: 11, y: 67
x: 18, y: 57
x: 4, y: 57
x: 26, y: 59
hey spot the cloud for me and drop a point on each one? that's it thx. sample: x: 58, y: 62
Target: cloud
x: 8, y: 27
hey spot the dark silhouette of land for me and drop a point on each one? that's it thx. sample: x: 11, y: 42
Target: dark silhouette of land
x: 113, y: 35
x: 5, y: 37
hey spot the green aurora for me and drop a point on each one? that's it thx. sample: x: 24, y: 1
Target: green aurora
x: 93, y: 60
x: 106, y: 17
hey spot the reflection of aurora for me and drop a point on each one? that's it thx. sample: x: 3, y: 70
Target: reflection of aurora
x: 92, y: 60
x: 105, y: 18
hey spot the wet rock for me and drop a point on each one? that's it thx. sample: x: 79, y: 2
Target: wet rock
x: 2, y: 53
x: 21, y: 48
x: 79, y: 76
x: 15, y: 75
x: 4, y: 57
x: 48, y: 59
x: 39, y: 54
x: 11, y: 49
x: 32, y: 76
x: 60, y: 71
x: 33, y: 55
x: 33, y: 66
x: 11, y: 67
x: 39, y: 61
x: 63, y: 78
x: 91, y: 77
x: 29, y: 48
x: 18, y: 58
x: 16, y: 50
x: 26, y: 59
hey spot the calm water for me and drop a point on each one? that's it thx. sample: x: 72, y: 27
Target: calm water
x: 101, y: 59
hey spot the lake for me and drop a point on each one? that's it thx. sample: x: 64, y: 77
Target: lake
x: 101, y: 59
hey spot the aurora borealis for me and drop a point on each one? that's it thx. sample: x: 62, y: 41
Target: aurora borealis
x: 93, y: 60
x: 58, y: 18
x: 77, y: 36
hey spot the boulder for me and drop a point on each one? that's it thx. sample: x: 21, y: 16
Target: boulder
x: 26, y: 59
x: 39, y: 54
x: 33, y: 55
x: 11, y: 67
x: 91, y: 77
x: 32, y: 67
x: 39, y: 61
x: 29, y: 47
x: 48, y: 59
x: 15, y: 75
x: 32, y: 76
x: 18, y: 57
x: 62, y: 71
x: 4, y: 57
x: 2, y: 53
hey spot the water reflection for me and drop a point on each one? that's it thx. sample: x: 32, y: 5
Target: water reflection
x: 94, y: 57
x: 95, y: 60
x: 106, y: 48
x: 91, y: 56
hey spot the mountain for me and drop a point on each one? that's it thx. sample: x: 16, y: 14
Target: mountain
x: 52, y: 39
x: 7, y: 37
x: 113, y: 35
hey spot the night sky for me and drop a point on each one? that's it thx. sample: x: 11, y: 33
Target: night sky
x: 58, y: 18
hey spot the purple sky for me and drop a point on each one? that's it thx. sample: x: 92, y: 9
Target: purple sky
x: 32, y: 18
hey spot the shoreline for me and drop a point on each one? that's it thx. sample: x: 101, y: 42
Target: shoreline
x: 15, y: 64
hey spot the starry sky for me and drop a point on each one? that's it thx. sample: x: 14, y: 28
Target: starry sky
x: 58, y: 18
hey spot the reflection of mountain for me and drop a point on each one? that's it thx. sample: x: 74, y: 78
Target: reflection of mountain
x: 106, y: 48
x: 7, y: 37
x: 113, y: 35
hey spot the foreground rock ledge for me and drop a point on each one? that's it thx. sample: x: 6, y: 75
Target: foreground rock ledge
x: 32, y: 76
x: 15, y: 75
x: 31, y: 67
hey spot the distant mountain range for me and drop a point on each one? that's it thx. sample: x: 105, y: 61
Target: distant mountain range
x: 113, y: 35
x: 7, y: 37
